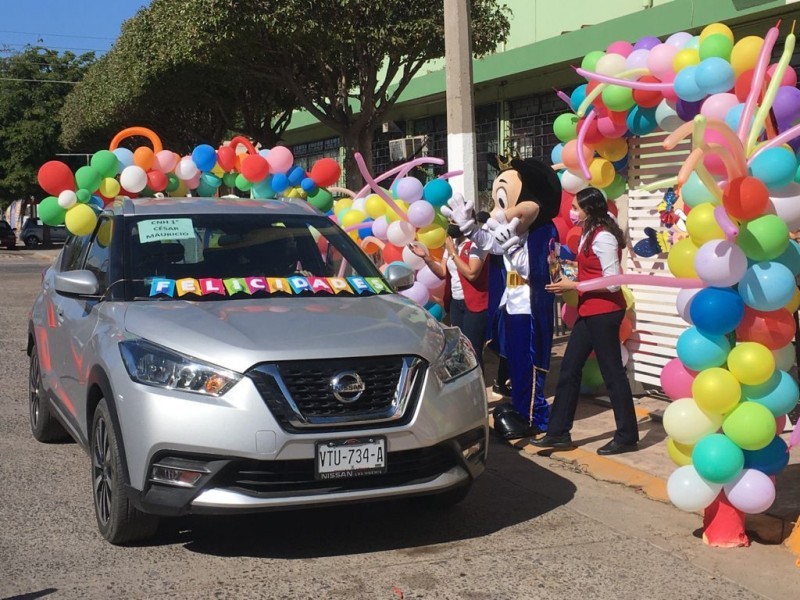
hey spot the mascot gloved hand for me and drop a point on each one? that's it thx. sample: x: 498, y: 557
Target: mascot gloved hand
x: 461, y: 212
x: 504, y: 232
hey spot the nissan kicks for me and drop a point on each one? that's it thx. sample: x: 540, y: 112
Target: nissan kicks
x: 230, y: 356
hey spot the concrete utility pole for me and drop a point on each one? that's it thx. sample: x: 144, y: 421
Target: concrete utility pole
x: 460, y: 112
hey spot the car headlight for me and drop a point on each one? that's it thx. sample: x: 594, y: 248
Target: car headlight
x: 151, y: 364
x: 457, y: 357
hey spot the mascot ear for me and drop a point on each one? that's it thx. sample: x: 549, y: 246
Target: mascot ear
x: 494, y: 161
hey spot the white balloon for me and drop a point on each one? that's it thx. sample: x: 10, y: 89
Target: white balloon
x: 784, y: 357
x: 625, y: 354
x: 667, y: 117
x: 690, y: 492
x: 67, y: 199
x: 785, y: 203
x: 684, y: 302
x: 400, y: 233
x: 686, y: 423
x: 573, y: 183
x: 185, y: 169
x: 358, y: 204
x: 610, y: 64
x: 412, y: 260
x: 133, y: 179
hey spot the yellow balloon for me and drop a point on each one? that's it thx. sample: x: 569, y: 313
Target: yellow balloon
x: 751, y: 363
x: 181, y: 190
x: 681, y: 454
x: 716, y: 390
x: 685, y: 58
x: 794, y: 303
x: 628, y: 295
x: 352, y: 217
x: 570, y: 298
x: 294, y: 192
x: 431, y: 236
x: 702, y: 224
x: 602, y: 173
x: 109, y: 187
x: 375, y: 206
x: 681, y: 259
x: 218, y: 171
x: 612, y: 149
x: 80, y: 220
x: 341, y: 204
x: 745, y: 54
x: 391, y: 216
x: 715, y: 28
x: 103, y: 236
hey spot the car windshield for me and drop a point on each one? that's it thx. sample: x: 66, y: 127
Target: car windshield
x: 223, y: 256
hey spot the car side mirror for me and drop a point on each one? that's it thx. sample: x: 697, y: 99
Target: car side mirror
x: 400, y: 277
x: 77, y: 283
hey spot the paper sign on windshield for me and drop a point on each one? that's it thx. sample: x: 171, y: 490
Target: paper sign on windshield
x: 156, y: 230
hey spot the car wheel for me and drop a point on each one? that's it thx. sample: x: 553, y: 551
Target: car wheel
x: 118, y: 520
x: 31, y: 241
x: 44, y: 426
x: 447, y: 499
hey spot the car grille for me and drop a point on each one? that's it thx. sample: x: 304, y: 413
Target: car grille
x: 300, y: 395
x: 270, y: 478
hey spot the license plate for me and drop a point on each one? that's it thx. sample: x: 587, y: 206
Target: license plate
x: 356, y: 457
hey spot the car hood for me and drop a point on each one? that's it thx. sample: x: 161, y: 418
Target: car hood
x: 236, y: 334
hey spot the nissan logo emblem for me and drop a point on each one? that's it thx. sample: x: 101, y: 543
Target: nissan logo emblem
x: 347, y: 387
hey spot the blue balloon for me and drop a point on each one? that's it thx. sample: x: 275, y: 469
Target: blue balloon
x: 365, y: 230
x: 767, y: 286
x: 698, y: 351
x: 716, y: 311
x: 205, y: 157
x: 124, y: 156
x: 296, y: 175
x: 264, y: 152
x: 734, y: 116
x: 435, y: 310
x: 279, y: 182
x: 437, y: 192
x: 770, y: 460
x: 555, y: 153
x: 622, y: 163
x: 779, y: 393
x: 714, y: 75
x: 791, y: 258
x: 263, y: 189
x: 205, y: 190
x: 577, y: 97
x: 97, y: 202
x: 717, y: 459
x: 642, y: 121
x: 776, y: 167
x: 211, y: 180
x: 308, y: 185
x: 686, y: 87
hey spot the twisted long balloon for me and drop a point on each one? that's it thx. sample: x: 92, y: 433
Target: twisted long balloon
x: 404, y: 168
x: 638, y: 279
x: 757, y: 82
x: 607, y: 79
x: 362, y: 166
x: 581, y: 139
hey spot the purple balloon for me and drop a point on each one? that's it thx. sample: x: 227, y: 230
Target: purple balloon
x: 688, y: 110
x: 637, y: 59
x: 786, y: 107
x: 648, y: 42
x: 421, y: 213
x: 409, y: 189
x: 752, y: 492
x: 429, y: 279
x: 418, y: 293
x: 679, y: 40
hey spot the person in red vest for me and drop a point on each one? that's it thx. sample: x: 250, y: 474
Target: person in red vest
x: 600, y: 314
x: 466, y: 293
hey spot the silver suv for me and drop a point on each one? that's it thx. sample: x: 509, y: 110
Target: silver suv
x: 217, y: 356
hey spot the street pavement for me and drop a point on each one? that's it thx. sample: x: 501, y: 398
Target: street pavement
x: 535, y: 526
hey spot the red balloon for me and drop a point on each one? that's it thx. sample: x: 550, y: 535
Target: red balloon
x: 648, y: 98
x: 255, y: 168
x: 619, y: 117
x: 566, y: 205
x: 55, y: 177
x: 612, y: 208
x: 592, y: 134
x: 597, y: 102
x: 745, y: 82
x: 574, y: 238
x: 773, y: 329
x: 563, y: 228
x: 325, y: 172
x: 391, y: 253
x: 745, y: 198
x: 226, y: 157
x: 156, y: 181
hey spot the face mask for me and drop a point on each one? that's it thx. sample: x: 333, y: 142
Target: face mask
x: 453, y: 231
x: 573, y: 216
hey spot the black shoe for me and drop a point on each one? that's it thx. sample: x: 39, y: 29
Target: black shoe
x: 502, y: 409
x: 510, y: 425
x: 614, y: 447
x: 503, y: 389
x: 554, y: 441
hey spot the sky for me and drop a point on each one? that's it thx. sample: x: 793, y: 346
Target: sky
x: 77, y: 25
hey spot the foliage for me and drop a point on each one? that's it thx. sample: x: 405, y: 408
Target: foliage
x: 29, y: 125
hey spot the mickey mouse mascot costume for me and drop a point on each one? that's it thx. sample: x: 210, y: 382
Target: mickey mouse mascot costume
x: 526, y: 195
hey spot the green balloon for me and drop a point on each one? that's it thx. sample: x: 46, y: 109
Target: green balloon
x: 229, y: 179
x: 50, y: 212
x: 88, y: 178
x: 173, y: 183
x: 589, y: 61
x: 750, y: 425
x: 591, y: 376
x: 83, y: 196
x: 322, y: 200
x: 618, y: 98
x: 617, y: 187
x: 717, y: 459
x: 716, y: 45
x: 105, y: 162
x: 566, y: 127
x: 764, y: 238
x: 242, y: 183
x: 440, y: 220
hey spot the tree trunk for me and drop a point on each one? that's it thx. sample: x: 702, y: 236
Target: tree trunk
x: 357, y: 141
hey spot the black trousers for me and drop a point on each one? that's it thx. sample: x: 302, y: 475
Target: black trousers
x: 472, y: 325
x: 601, y: 334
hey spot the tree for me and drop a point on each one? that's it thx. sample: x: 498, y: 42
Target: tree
x: 33, y: 86
x: 163, y: 73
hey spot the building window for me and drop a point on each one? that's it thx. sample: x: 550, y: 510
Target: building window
x: 530, y: 126
x: 305, y: 155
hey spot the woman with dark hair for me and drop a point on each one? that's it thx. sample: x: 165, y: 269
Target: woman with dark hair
x: 600, y: 314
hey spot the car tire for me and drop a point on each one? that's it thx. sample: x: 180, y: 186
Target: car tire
x: 447, y: 499
x: 31, y: 241
x: 44, y: 426
x: 118, y: 520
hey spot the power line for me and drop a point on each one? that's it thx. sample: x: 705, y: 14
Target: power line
x: 86, y: 37
x: 42, y: 45
x: 38, y: 80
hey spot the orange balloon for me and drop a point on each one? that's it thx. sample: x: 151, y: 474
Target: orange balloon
x: 144, y: 157
x: 133, y: 131
x: 437, y: 253
x: 570, y: 156
x: 625, y: 329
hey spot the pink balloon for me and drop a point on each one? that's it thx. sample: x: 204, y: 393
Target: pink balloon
x: 194, y: 182
x: 676, y: 379
x: 621, y: 47
x: 280, y: 159
x: 569, y: 314
x: 752, y: 492
x: 718, y: 105
x: 165, y: 161
x: 429, y: 279
x: 720, y: 263
x: 669, y: 94
x: 789, y: 76
x: 713, y: 162
x: 610, y: 129
x: 780, y: 424
x: 659, y: 61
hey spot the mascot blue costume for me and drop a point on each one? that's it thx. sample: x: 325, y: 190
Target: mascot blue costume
x: 527, y: 195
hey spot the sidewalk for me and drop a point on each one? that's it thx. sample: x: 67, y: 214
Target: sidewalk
x: 648, y: 469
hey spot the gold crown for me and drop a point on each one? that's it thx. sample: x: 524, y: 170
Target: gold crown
x: 503, y: 162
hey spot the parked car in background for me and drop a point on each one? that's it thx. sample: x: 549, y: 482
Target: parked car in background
x: 32, y: 233
x: 8, y: 237
x: 225, y: 356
